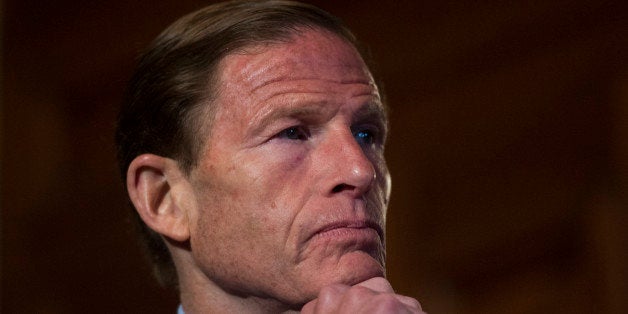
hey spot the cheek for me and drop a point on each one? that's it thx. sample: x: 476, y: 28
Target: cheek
x: 252, y: 194
x: 231, y: 225
x: 282, y: 157
x: 254, y: 197
x: 384, y: 178
x: 381, y: 170
x: 279, y: 174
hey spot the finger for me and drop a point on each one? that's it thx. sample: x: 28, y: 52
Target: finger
x: 361, y: 299
x: 329, y: 297
x: 378, y: 284
x: 382, y: 302
x: 382, y: 285
x: 309, y: 307
x: 410, y: 302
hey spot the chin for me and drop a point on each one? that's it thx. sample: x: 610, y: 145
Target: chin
x: 358, y: 267
x: 349, y: 269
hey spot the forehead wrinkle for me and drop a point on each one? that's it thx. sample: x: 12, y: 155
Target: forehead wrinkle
x: 296, y: 70
x: 298, y: 87
x: 296, y: 80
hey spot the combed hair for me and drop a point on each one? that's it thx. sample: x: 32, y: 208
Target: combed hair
x: 162, y: 112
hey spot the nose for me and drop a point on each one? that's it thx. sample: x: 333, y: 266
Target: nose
x: 349, y: 169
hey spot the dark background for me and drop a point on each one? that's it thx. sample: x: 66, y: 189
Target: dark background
x: 509, y: 153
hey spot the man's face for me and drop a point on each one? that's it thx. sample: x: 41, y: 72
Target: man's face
x: 291, y: 187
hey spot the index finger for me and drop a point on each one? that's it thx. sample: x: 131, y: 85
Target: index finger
x: 378, y: 284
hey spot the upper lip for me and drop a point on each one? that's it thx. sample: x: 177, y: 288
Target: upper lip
x: 356, y: 224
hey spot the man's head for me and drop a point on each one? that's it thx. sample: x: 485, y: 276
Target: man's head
x: 252, y: 143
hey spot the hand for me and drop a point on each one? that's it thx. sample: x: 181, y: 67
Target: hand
x: 371, y: 296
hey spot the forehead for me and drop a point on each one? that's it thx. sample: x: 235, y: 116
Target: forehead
x: 312, y: 55
x: 313, y: 77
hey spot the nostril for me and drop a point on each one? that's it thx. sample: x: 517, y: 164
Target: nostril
x: 340, y: 187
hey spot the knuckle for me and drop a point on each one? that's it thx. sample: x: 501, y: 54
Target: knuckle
x: 359, y: 294
x: 412, y: 302
x: 329, y: 294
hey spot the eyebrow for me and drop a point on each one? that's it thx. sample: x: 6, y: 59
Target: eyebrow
x: 298, y: 111
x: 371, y: 110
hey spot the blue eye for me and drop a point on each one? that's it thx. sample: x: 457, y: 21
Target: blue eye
x: 294, y: 133
x: 364, y: 136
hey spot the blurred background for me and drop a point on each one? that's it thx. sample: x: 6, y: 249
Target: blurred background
x: 508, y: 151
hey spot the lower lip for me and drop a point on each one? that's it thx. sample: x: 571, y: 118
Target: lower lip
x: 346, y: 232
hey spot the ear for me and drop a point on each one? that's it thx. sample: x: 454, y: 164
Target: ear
x: 154, y: 184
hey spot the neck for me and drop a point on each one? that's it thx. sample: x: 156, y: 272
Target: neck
x: 194, y: 301
x: 209, y: 298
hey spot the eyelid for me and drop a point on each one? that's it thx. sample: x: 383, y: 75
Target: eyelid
x: 295, y: 112
x: 273, y: 128
x: 301, y: 133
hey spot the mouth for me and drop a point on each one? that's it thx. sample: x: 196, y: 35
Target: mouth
x: 350, y: 228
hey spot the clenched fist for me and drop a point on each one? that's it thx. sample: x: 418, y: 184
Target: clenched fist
x: 371, y: 296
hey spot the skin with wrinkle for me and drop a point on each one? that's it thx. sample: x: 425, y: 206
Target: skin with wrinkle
x: 278, y: 216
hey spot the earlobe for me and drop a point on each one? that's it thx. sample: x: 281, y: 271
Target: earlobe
x: 153, y: 183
